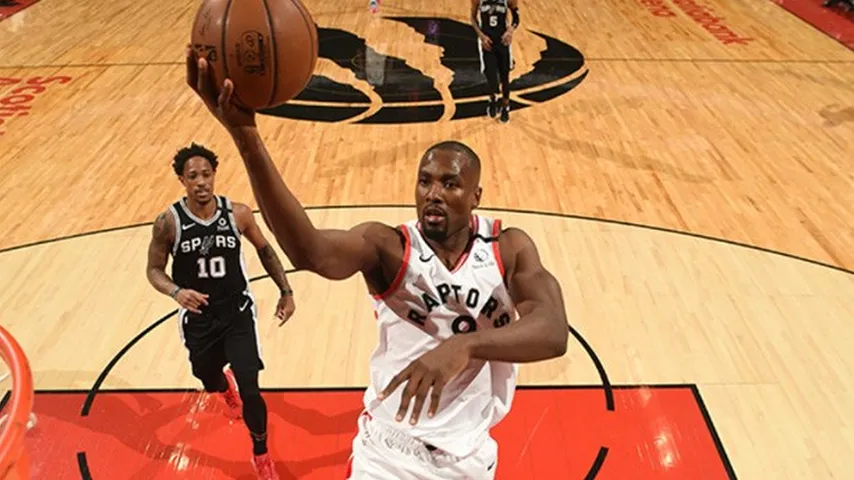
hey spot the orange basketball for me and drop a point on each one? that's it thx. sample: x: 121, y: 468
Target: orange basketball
x: 268, y: 48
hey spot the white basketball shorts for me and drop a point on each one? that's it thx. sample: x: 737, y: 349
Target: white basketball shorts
x: 381, y: 452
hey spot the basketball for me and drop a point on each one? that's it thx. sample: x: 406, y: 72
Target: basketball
x: 268, y: 48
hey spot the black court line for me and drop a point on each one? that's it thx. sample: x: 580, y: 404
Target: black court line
x: 714, y: 432
x: 485, y: 209
x: 603, y: 376
x: 5, y: 399
x: 597, y: 464
x: 76, y: 235
x: 85, y: 474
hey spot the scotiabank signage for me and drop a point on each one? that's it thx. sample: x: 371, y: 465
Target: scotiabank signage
x: 17, y: 96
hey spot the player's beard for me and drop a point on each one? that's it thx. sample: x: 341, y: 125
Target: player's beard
x: 436, y: 233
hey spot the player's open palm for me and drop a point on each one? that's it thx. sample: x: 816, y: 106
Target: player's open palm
x: 428, y: 375
x: 218, y: 99
x: 191, y: 299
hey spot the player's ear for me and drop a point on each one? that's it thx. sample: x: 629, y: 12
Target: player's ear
x: 476, y: 198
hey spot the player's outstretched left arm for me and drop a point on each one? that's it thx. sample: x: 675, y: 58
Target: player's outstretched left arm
x: 269, y: 259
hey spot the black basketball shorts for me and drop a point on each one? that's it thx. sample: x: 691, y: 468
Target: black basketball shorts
x: 498, y: 61
x: 226, y: 334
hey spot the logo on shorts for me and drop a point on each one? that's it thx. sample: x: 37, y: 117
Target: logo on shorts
x: 393, y: 90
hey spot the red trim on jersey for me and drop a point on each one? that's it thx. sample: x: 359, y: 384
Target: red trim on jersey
x: 496, y: 250
x: 398, y: 279
x: 475, y: 226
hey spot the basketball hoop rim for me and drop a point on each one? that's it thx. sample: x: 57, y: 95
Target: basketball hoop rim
x: 20, y: 404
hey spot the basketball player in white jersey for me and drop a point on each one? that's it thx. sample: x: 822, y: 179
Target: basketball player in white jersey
x: 459, y: 301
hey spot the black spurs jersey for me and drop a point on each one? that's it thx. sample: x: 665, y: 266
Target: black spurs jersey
x: 206, y: 255
x: 493, y: 18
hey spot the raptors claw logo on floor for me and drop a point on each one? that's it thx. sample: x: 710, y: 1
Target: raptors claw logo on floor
x: 408, y: 95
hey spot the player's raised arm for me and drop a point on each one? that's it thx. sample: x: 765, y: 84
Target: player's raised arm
x: 542, y: 331
x: 334, y: 254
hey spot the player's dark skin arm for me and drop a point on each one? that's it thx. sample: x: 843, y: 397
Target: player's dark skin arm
x: 542, y: 331
x: 266, y: 253
x: 273, y: 266
x: 333, y: 254
x: 162, y: 236
x: 371, y: 248
x: 269, y: 260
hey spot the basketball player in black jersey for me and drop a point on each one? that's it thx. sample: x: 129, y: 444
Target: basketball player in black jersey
x: 217, y: 318
x: 489, y: 18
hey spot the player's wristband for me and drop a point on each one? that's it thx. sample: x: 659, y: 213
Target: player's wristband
x: 515, y: 13
x: 285, y: 292
x: 174, y: 293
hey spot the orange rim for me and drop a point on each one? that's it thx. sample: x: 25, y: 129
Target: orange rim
x: 20, y: 404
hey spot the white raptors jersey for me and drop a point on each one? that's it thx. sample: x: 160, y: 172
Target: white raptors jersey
x: 428, y: 303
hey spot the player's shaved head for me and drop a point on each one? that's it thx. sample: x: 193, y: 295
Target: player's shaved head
x: 464, y: 150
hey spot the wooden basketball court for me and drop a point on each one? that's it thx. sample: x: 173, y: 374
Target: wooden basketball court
x: 686, y: 167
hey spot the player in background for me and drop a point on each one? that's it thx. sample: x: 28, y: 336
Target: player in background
x: 217, y: 319
x: 494, y: 39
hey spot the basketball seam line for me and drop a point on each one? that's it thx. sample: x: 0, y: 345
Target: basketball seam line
x: 309, y: 26
x: 275, y: 56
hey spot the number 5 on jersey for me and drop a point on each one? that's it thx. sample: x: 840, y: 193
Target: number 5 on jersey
x: 213, y: 267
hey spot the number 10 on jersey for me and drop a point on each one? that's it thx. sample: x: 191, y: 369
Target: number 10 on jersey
x: 211, y: 267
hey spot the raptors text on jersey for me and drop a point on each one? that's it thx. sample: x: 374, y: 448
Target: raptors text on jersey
x: 428, y: 303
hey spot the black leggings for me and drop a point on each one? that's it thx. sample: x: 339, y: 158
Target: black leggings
x: 496, y: 67
x: 254, y: 407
